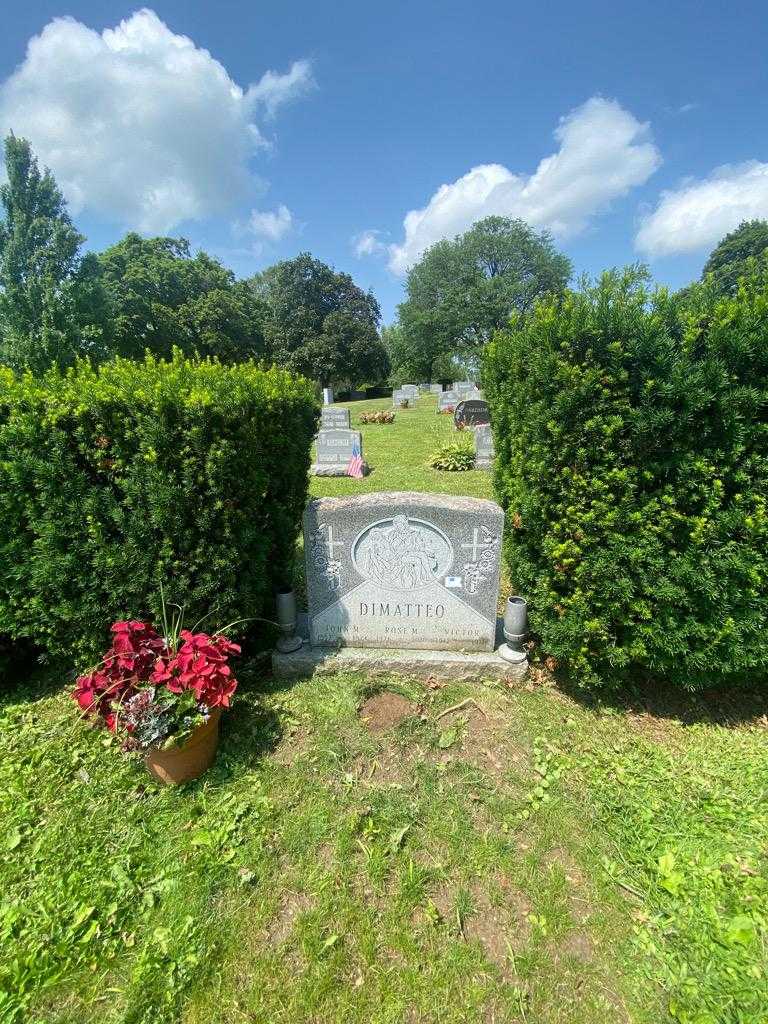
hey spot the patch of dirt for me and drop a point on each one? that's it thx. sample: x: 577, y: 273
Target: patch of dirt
x: 498, y: 928
x: 295, y: 742
x: 579, y: 946
x: 385, y: 711
x: 381, y: 769
x: 483, y: 743
x: 292, y: 905
x: 326, y: 857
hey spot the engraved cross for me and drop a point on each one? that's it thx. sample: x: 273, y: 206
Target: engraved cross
x: 331, y: 543
x: 476, y: 545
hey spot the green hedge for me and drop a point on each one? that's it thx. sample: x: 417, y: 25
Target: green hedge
x: 631, y: 445
x: 112, y: 479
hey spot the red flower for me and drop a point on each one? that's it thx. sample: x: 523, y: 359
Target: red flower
x: 140, y: 656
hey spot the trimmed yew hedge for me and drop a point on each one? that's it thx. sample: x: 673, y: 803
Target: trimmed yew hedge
x: 631, y: 442
x: 111, y: 480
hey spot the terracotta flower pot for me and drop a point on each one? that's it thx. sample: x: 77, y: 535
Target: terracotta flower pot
x: 191, y: 759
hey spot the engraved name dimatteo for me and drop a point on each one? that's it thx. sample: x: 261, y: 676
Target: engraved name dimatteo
x: 404, y: 609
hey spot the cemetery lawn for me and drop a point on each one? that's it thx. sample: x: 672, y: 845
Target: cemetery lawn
x: 397, y: 454
x: 366, y: 854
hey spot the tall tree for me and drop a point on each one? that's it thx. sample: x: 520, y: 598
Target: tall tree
x: 51, y: 300
x: 730, y: 259
x: 462, y: 290
x: 161, y: 297
x: 320, y: 323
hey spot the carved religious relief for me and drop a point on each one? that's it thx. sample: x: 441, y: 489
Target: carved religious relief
x: 482, y: 552
x: 323, y: 558
x: 402, y: 553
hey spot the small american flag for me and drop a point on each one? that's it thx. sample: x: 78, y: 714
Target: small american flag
x: 355, y: 467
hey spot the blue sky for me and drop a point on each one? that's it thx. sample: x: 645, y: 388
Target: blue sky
x: 275, y: 128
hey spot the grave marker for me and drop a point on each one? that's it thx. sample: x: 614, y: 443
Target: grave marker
x: 334, y: 417
x: 483, y: 446
x: 471, y: 412
x: 447, y: 400
x: 403, y: 570
x: 335, y: 447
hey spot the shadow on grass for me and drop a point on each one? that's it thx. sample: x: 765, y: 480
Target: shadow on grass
x: 24, y: 678
x: 727, y: 704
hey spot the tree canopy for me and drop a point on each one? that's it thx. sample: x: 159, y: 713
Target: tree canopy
x: 51, y: 300
x: 729, y: 260
x: 320, y: 323
x: 462, y: 290
x: 161, y: 297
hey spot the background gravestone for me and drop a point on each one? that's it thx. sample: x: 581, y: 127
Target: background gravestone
x: 483, y: 446
x: 412, y: 390
x: 334, y: 417
x: 403, y: 570
x: 436, y: 389
x: 399, y: 396
x: 471, y: 412
x: 334, y: 449
x: 447, y: 400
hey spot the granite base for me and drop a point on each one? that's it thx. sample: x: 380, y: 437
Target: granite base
x: 378, y: 662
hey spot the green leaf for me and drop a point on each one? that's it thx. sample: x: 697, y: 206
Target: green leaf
x: 14, y: 839
x: 329, y: 943
x: 396, y: 839
x: 741, y: 930
x: 447, y: 738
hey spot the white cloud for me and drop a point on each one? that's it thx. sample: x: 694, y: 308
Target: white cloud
x: 367, y: 243
x: 698, y: 213
x: 271, y: 224
x: 604, y: 152
x: 273, y: 89
x: 138, y: 123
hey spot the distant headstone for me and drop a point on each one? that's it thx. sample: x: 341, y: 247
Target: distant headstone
x: 334, y: 416
x: 335, y: 447
x: 423, y: 389
x: 412, y: 390
x: 471, y: 412
x: 483, y: 446
x: 436, y: 389
x: 447, y: 401
x: 327, y: 396
x: 463, y: 386
x: 403, y: 570
x: 399, y: 396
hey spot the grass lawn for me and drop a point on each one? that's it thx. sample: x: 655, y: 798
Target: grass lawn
x: 368, y: 855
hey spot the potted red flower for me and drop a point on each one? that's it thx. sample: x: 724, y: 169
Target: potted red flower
x: 163, y: 695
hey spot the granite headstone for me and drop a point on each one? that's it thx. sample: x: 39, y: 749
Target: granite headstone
x: 448, y: 400
x: 335, y: 447
x: 403, y: 570
x: 471, y: 412
x: 332, y: 416
x: 483, y: 446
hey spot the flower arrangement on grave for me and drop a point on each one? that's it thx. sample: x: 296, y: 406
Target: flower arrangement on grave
x: 449, y: 409
x: 384, y: 416
x: 157, y: 693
